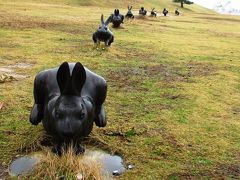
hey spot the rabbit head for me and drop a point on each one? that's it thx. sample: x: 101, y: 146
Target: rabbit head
x: 104, y: 25
x: 70, y: 112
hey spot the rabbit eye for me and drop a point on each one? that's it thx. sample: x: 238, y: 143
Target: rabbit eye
x: 82, y: 115
x: 57, y: 114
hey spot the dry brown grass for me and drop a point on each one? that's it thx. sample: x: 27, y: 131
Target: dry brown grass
x: 69, y: 166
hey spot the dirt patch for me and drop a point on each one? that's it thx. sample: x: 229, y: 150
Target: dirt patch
x: 140, y: 17
x: 167, y: 136
x: 229, y: 170
x: 5, y: 70
x: 185, y: 21
x: 170, y: 27
x: 180, y: 73
x: 121, y: 136
x: 6, y: 78
x: 125, y: 51
x: 221, y: 172
x: 201, y: 69
x: 182, y: 176
x: 74, y: 27
x: 128, y: 79
x: 3, y: 172
x: 236, y: 109
x: 167, y: 72
x: 19, y: 65
x: 8, y: 44
x: 221, y: 34
x: 173, y: 96
x: 8, y: 73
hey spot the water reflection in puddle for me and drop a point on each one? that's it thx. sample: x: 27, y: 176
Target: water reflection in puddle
x: 111, y: 164
x: 22, y: 165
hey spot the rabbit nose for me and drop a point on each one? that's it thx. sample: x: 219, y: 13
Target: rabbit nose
x: 68, y: 134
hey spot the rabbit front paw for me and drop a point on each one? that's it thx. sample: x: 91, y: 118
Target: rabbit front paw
x: 36, y: 114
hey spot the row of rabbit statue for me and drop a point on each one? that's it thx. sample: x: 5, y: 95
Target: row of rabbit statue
x: 104, y: 34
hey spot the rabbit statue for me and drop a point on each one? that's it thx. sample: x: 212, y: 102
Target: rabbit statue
x: 153, y: 13
x: 68, y: 100
x: 143, y: 11
x: 129, y: 13
x: 103, y: 34
x: 177, y: 12
x: 116, y: 18
x: 165, y: 12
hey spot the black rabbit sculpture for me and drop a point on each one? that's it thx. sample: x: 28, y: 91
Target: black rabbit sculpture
x: 177, y: 12
x: 68, y: 100
x: 165, y: 12
x: 103, y: 34
x: 153, y: 13
x: 129, y: 13
x: 116, y: 18
x: 143, y: 11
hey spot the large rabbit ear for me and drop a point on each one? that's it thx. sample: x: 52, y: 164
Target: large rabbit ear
x: 115, y: 11
x: 102, y: 20
x: 128, y: 7
x: 108, y: 20
x: 63, y: 77
x: 78, y: 78
x: 131, y: 8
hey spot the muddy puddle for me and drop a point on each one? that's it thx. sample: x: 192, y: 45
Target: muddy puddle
x: 111, y: 164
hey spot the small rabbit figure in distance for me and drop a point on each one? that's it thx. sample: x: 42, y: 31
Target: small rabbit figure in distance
x: 103, y: 34
x: 165, y: 12
x: 116, y: 18
x: 143, y: 11
x: 153, y: 13
x: 177, y: 12
x: 129, y: 13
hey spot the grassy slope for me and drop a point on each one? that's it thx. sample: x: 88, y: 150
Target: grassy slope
x: 173, y: 83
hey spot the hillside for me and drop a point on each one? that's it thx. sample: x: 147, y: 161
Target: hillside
x: 173, y: 83
x: 102, y: 3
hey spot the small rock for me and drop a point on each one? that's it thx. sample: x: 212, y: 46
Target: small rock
x: 116, y: 173
x: 130, y: 166
x: 79, y: 176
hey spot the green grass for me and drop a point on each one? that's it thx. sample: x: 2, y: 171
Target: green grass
x: 173, y: 83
